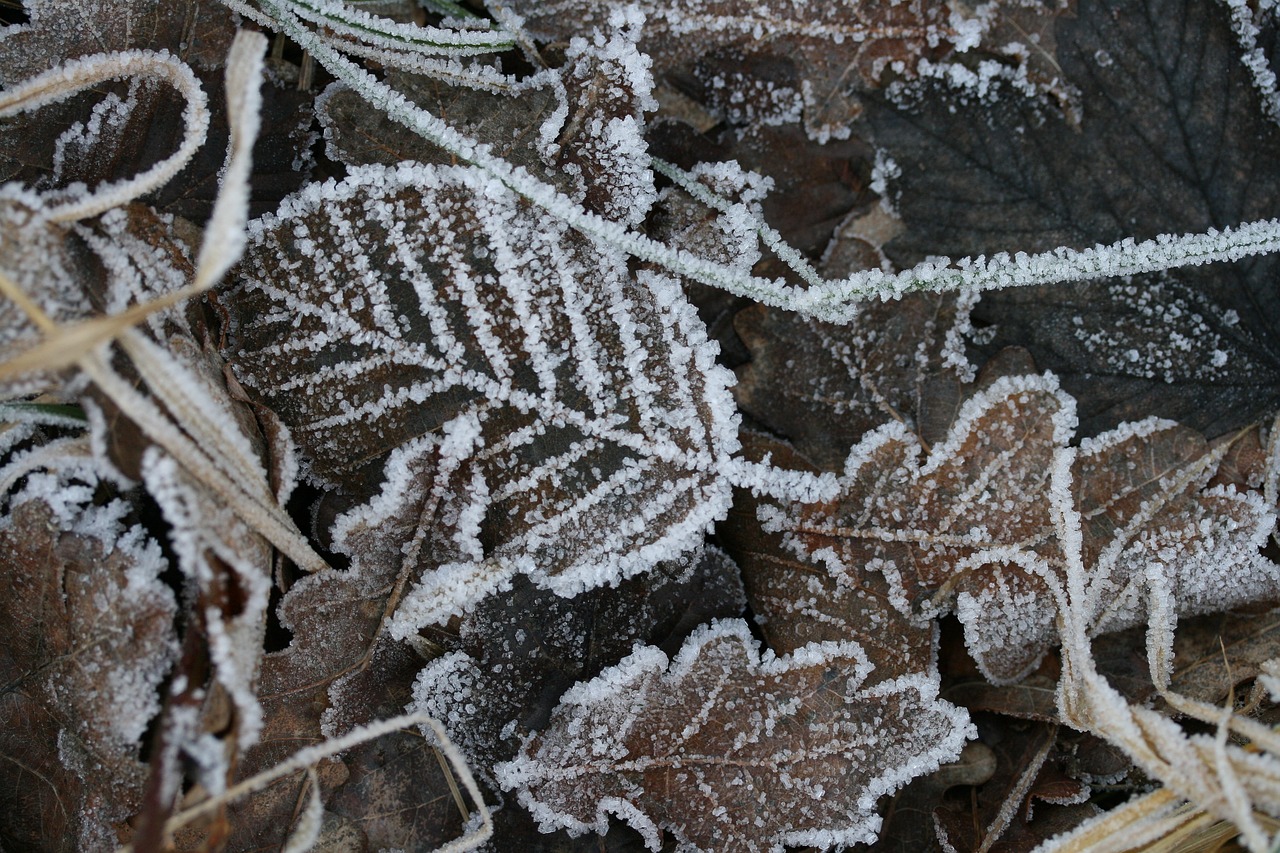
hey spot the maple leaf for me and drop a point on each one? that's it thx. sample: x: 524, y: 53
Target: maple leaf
x: 87, y: 637
x: 536, y: 390
x: 971, y: 522
x: 1173, y: 138
x: 733, y: 750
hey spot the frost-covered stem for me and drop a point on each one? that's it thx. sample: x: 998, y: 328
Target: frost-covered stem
x: 1126, y: 257
x: 266, y: 518
x: 833, y: 301
x: 386, y: 33
x: 762, y: 478
x: 768, y: 235
x: 313, y: 755
x: 1219, y: 778
x: 66, y: 80
x: 167, y: 380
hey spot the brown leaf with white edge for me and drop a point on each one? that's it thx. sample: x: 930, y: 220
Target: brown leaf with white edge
x: 970, y: 524
x: 732, y: 750
x: 522, y: 376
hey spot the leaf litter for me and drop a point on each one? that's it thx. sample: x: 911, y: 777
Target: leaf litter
x: 470, y: 351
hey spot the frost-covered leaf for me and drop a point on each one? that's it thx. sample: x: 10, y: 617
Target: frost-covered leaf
x: 558, y: 416
x: 837, y: 48
x: 86, y: 636
x: 970, y: 522
x: 729, y: 749
x: 578, y: 127
x: 797, y: 600
x: 1173, y: 139
x: 518, y: 652
x: 824, y: 386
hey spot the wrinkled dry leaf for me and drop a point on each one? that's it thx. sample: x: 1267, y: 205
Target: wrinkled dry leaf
x: 970, y: 522
x: 731, y: 750
x: 88, y: 635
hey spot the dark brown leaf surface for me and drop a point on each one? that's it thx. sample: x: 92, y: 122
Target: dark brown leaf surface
x: 86, y: 635
x: 1173, y: 139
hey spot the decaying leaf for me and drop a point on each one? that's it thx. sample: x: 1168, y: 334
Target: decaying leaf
x: 123, y: 128
x: 535, y: 390
x: 87, y: 637
x: 825, y: 386
x: 1173, y: 139
x: 520, y: 651
x: 970, y: 522
x: 731, y: 750
x: 836, y: 49
x: 578, y: 126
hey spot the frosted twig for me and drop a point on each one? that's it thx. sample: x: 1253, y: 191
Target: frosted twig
x: 373, y: 30
x: 66, y: 80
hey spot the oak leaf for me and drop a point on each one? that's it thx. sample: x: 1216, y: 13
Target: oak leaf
x: 970, y: 523
x: 729, y: 749
x: 86, y: 637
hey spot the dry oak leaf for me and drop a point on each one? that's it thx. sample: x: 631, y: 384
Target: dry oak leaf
x: 730, y: 750
x: 971, y: 524
x: 797, y: 601
x: 565, y: 417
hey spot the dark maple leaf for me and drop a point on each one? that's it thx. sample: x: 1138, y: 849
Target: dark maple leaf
x: 1173, y: 139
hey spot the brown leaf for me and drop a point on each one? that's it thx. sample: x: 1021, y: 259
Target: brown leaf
x: 733, y: 751
x: 577, y: 127
x: 121, y: 129
x: 836, y: 49
x: 519, y: 652
x: 1215, y: 654
x: 86, y: 636
x: 825, y: 386
x: 798, y: 599
x: 973, y: 521
x: 536, y: 391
